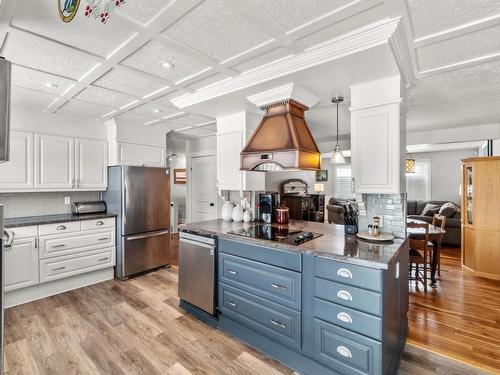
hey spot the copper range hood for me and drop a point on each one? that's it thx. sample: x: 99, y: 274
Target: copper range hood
x: 282, y: 141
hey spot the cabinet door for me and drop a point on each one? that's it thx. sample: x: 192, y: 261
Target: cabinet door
x: 21, y: 264
x: 137, y: 154
x: 91, y: 164
x: 54, y: 162
x: 17, y: 173
x: 229, y: 176
x: 376, y: 151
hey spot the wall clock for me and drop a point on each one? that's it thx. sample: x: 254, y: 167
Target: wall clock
x: 67, y: 9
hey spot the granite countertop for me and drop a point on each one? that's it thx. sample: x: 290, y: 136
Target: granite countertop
x: 51, y: 219
x: 334, y: 244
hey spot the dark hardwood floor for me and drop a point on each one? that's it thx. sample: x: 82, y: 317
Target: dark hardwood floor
x: 460, y: 318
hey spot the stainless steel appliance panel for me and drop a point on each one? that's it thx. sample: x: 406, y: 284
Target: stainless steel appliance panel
x: 146, y: 199
x: 5, y: 78
x: 145, y: 251
x: 197, y: 271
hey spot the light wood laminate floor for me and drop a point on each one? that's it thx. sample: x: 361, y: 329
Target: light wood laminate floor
x: 135, y: 327
x: 460, y: 318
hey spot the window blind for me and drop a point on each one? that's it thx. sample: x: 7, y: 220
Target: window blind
x: 343, y: 182
x: 418, y: 184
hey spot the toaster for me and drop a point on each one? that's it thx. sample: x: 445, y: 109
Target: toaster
x: 79, y: 208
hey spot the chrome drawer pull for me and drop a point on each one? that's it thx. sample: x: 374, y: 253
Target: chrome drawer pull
x: 280, y: 287
x: 344, y: 295
x: 279, y: 324
x: 232, y: 272
x: 231, y: 303
x: 102, y: 259
x: 58, y: 268
x: 99, y: 223
x: 345, y: 273
x: 103, y: 239
x: 56, y: 246
x: 344, y: 317
x: 61, y: 227
x: 344, y: 352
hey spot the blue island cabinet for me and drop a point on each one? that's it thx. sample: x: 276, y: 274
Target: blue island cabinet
x: 315, y: 314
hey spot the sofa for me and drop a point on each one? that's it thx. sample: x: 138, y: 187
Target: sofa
x: 335, y: 209
x: 453, y: 235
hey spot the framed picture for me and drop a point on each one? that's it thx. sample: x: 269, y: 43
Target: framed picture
x: 322, y: 175
x: 180, y: 176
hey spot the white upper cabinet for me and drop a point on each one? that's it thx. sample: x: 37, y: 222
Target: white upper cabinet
x: 377, y: 137
x: 91, y: 164
x: 232, y: 133
x: 54, y: 162
x: 17, y: 173
x: 139, y: 154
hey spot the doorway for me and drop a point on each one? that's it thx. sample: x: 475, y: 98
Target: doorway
x: 203, y: 192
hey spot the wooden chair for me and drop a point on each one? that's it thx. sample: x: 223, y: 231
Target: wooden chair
x: 438, y: 221
x: 420, y: 254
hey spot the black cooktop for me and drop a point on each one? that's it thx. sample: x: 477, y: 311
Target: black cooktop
x: 283, y: 234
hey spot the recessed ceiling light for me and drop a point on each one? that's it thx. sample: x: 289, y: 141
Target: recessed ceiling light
x: 167, y: 65
x: 156, y: 110
x: 50, y: 85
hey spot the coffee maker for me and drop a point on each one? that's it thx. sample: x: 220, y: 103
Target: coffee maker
x: 268, y: 203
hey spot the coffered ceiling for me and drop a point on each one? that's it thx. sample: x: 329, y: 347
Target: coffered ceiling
x: 153, y: 51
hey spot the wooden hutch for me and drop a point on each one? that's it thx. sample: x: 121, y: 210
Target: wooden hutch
x: 481, y: 216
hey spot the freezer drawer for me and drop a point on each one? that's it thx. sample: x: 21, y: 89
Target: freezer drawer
x: 145, y: 251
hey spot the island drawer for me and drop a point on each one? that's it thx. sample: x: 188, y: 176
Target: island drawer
x: 270, y: 319
x: 274, y: 283
x: 350, y: 296
x: 346, y: 273
x: 345, y: 317
x: 277, y: 257
x: 346, y: 351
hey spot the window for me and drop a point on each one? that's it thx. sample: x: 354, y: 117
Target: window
x: 342, y: 187
x: 418, y: 184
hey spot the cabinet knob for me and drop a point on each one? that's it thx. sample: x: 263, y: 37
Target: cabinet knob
x: 344, y: 352
x: 345, y: 273
x: 280, y: 287
x: 344, y: 295
x: 344, y: 317
x: 279, y: 324
x: 61, y: 227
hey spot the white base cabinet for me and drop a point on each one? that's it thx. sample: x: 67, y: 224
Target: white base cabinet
x: 46, y: 254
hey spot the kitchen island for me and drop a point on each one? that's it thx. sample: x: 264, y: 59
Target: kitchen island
x: 331, y: 305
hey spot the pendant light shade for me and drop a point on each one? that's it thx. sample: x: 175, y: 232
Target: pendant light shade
x: 337, y: 156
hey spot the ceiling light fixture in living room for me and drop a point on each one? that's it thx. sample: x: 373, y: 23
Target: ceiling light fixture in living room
x: 410, y: 163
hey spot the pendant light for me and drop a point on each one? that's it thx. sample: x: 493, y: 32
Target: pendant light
x: 410, y: 163
x: 337, y: 156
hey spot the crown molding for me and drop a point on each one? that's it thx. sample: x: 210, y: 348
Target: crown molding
x: 401, y: 52
x: 283, y: 93
x: 386, y: 31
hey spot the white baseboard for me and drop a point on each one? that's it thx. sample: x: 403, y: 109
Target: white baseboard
x: 20, y: 296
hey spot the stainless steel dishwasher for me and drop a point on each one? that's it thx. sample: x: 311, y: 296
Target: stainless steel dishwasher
x: 197, y: 257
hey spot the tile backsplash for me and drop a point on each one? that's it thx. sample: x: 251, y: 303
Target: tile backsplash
x: 41, y: 203
x: 390, y: 207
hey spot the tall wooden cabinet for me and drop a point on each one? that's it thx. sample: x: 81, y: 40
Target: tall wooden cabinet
x: 481, y: 216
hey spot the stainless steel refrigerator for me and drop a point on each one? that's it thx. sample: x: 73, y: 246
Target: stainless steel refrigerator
x: 141, y: 198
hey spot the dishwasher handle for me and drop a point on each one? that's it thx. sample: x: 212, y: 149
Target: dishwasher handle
x: 196, y: 243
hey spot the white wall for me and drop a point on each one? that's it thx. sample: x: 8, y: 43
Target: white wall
x: 446, y: 172
x: 496, y: 147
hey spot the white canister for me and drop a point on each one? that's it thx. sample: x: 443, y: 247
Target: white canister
x: 227, y: 211
x: 237, y: 214
x: 247, y: 216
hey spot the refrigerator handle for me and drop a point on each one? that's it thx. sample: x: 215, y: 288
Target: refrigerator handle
x: 124, y: 202
x: 143, y: 236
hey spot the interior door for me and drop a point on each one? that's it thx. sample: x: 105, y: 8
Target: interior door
x: 54, y: 162
x: 203, y: 190
x: 91, y: 164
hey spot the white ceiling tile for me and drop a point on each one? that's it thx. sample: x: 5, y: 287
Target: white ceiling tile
x: 31, y: 98
x: 84, y: 109
x: 40, y: 81
x: 130, y: 82
x: 430, y: 16
x: 217, y: 30
x: 148, y: 110
x: 193, y: 119
x: 344, y: 26
x: 263, y: 59
x: 143, y: 10
x: 151, y: 57
x: 293, y: 13
x: 467, y: 96
x: 99, y: 95
x: 464, y: 47
x: 214, y: 78
x: 40, y: 54
x: 133, y: 118
x: 82, y: 32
